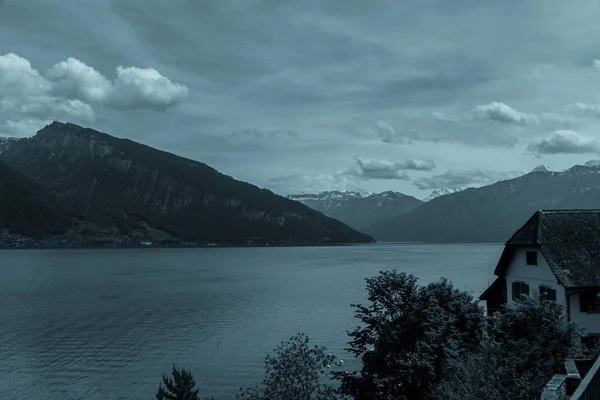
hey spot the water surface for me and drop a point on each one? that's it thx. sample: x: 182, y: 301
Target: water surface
x: 106, y: 324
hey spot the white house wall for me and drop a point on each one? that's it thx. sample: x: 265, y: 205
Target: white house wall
x: 588, y: 321
x: 533, y: 275
x: 541, y: 274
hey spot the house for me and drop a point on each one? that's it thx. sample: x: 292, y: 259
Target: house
x: 556, y: 254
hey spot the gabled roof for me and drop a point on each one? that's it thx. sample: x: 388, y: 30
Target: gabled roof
x: 569, y: 241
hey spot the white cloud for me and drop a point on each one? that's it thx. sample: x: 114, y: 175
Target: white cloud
x: 564, y: 142
x: 73, y: 79
x: 500, y: 112
x: 464, y: 178
x: 70, y: 88
x: 133, y: 87
x: 145, y: 88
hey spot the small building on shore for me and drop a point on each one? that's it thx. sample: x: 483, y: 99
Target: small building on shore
x: 556, y: 255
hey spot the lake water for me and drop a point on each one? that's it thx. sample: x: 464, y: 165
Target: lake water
x: 106, y: 324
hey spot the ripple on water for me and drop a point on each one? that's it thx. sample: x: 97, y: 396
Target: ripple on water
x: 107, y: 324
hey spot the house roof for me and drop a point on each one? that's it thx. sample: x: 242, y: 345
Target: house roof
x: 569, y: 241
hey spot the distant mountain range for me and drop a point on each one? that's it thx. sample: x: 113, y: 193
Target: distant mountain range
x: 492, y: 213
x: 442, y: 192
x: 358, y: 210
x: 95, y: 188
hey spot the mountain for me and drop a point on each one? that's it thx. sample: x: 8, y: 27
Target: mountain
x: 442, y: 192
x: 148, y: 194
x: 358, y: 210
x: 6, y: 142
x: 492, y: 213
x: 541, y: 168
x: 26, y: 208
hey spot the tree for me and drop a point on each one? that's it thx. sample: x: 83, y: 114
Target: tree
x: 525, y: 346
x: 180, y: 387
x: 295, y: 372
x: 408, y: 335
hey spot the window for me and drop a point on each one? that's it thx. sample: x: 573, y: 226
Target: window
x: 519, y: 289
x: 547, y: 293
x: 531, y: 257
x: 589, y: 301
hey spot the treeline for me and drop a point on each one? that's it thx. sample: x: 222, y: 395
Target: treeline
x: 430, y: 342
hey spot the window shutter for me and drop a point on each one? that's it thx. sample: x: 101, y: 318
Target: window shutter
x: 515, y: 295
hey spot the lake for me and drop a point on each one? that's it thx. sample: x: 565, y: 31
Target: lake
x: 106, y: 324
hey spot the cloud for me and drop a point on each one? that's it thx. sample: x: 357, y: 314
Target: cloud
x: 587, y: 109
x: 380, y: 169
x: 265, y: 134
x: 27, y: 101
x: 306, y: 183
x: 597, y: 64
x: 70, y: 88
x: 382, y: 130
x: 564, y: 142
x: 500, y: 112
x: 133, y: 88
x: 464, y: 178
x: 23, y: 127
x: 441, y: 116
x: 388, y: 134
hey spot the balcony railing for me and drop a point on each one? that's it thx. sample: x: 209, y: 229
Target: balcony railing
x: 589, y: 388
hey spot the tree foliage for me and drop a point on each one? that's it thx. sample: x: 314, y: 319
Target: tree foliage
x: 408, y: 335
x: 182, y: 386
x: 524, y: 347
x: 296, y: 371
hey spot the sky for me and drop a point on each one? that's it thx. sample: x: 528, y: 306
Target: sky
x: 312, y: 95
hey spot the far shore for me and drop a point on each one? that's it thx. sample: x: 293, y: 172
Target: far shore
x: 235, y: 246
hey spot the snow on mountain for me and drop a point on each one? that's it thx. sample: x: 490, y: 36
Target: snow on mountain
x: 358, y: 209
x: 592, y: 163
x: 541, y: 168
x: 442, y: 192
x: 6, y: 142
x: 329, y: 200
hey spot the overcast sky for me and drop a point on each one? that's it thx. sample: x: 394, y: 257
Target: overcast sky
x: 312, y: 95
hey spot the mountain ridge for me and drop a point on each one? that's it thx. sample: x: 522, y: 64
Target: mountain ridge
x: 146, y: 192
x: 490, y: 214
x: 356, y: 209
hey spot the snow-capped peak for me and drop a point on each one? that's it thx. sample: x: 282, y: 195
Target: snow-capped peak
x: 541, y: 168
x: 592, y: 163
x: 442, y: 192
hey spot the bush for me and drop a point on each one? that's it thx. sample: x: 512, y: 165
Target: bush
x: 526, y: 344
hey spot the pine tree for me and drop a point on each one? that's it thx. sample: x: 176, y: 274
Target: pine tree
x: 180, y: 387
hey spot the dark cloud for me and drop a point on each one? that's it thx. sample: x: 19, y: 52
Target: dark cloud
x: 387, y: 72
x: 564, y: 142
x: 464, y: 178
x: 382, y: 169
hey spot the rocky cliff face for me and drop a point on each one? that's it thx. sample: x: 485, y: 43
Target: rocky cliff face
x: 138, y: 189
